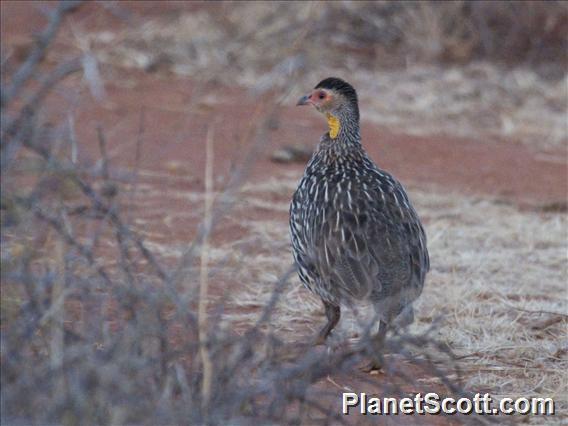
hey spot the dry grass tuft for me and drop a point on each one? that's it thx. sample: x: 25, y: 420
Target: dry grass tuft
x: 96, y: 326
x: 497, y: 290
x: 485, y: 70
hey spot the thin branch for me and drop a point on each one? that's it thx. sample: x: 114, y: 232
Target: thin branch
x: 31, y: 105
x: 104, y: 156
x: 137, y: 157
x: 203, y: 281
x: 530, y: 311
x: 29, y: 67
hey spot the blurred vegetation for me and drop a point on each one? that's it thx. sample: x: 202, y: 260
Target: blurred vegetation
x: 89, y: 313
x: 87, y: 329
x: 382, y: 34
x: 484, y: 70
x: 508, y: 32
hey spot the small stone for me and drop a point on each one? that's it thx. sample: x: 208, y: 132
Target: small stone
x: 291, y: 154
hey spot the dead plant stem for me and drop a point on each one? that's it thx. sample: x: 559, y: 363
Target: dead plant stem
x: 203, y: 281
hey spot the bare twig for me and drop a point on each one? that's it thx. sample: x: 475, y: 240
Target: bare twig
x: 102, y: 146
x: 535, y: 311
x: 203, y: 281
x: 57, y: 297
x: 29, y: 67
x: 137, y: 157
x: 17, y: 126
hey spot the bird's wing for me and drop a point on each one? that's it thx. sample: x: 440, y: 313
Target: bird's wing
x: 344, y: 257
x: 371, y: 238
x: 401, y: 239
x: 299, y: 233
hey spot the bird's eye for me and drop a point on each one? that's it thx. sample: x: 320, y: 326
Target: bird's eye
x: 321, y: 95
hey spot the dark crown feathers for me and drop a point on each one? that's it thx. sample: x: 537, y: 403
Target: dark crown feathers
x: 340, y: 86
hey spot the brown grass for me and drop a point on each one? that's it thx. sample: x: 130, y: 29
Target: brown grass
x: 94, y: 326
x: 486, y: 70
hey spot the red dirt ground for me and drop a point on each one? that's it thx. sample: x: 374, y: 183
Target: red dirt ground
x: 173, y: 139
x: 501, y: 169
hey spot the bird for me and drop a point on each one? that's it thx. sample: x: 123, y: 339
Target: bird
x: 355, y: 235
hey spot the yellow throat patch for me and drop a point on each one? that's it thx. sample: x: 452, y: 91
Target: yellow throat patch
x: 333, y: 123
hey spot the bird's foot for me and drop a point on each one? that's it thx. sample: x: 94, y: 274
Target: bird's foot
x: 322, y: 336
x: 320, y: 340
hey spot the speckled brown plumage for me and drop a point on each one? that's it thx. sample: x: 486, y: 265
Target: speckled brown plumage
x: 355, y: 234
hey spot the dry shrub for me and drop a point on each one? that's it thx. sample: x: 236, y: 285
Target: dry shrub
x: 511, y: 33
x: 492, y: 71
x: 96, y: 330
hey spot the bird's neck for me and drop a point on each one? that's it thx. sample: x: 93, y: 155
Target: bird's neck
x: 345, y: 147
x: 343, y: 129
x: 334, y: 125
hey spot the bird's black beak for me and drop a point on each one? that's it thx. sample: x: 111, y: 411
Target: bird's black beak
x: 304, y: 100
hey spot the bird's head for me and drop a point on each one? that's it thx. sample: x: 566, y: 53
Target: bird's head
x: 337, y: 100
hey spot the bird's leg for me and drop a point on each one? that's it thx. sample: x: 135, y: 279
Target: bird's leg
x: 333, y: 313
x: 377, y: 343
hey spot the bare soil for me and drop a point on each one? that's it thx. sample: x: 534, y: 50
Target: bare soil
x: 173, y: 140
